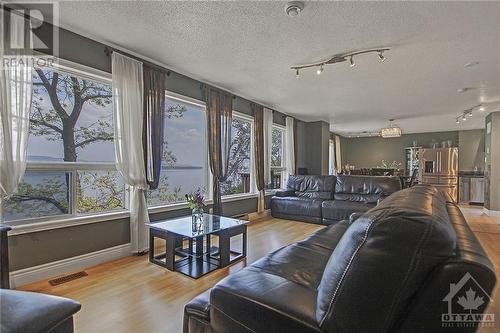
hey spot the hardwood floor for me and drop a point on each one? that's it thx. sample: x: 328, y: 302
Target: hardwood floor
x: 487, y: 230
x: 132, y: 295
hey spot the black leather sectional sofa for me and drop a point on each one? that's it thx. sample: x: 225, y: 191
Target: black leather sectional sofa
x: 390, y: 270
x: 330, y: 199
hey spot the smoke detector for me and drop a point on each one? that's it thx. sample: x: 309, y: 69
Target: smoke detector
x: 293, y: 8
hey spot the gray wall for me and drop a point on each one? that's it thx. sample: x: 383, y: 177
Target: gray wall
x: 492, y: 168
x: 32, y: 249
x: 471, y: 149
x: 312, y: 147
x: 37, y: 248
x: 368, y: 152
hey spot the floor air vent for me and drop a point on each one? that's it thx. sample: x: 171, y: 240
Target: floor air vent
x: 67, y: 278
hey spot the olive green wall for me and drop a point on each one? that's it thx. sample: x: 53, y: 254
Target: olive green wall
x: 368, y: 152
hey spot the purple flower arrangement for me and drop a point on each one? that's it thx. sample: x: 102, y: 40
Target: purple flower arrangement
x: 195, y: 199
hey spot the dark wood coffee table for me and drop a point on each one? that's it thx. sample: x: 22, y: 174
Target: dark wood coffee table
x: 199, y: 257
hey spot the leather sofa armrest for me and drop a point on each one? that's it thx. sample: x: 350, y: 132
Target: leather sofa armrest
x: 4, y: 228
x: 379, y: 200
x: 354, y: 216
x: 287, y: 193
x: 197, y: 314
x: 23, y: 311
x: 252, y: 300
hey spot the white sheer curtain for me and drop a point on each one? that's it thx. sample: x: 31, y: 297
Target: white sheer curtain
x: 289, y: 149
x: 15, y: 102
x: 128, y: 127
x: 268, y: 137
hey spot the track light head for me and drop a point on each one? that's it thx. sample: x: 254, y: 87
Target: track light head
x: 470, y: 114
x: 464, y: 118
x: 320, y: 69
x: 457, y: 121
x: 297, y: 73
x: 381, y: 56
x: 481, y: 108
x: 351, y: 61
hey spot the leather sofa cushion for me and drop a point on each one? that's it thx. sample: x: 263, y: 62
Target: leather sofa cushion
x: 327, y: 237
x: 365, y: 188
x: 395, y: 245
x: 303, y: 265
x: 313, y: 187
x: 296, y: 206
x: 341, y: 210
x: 23, y: 311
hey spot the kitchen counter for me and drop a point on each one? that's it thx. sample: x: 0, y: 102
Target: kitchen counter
x: 471, y: 174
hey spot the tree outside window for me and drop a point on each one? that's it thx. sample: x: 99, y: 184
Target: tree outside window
x: 238, y: 179
x: 277, y: 158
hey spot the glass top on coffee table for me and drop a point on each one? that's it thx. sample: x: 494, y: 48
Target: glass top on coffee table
x: 183, y: 226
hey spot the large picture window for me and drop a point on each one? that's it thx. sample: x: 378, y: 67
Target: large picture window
x: 184, y: 164
x: 71, y: 168
x: 239, y: 177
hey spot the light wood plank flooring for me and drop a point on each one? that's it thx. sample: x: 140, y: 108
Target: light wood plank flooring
x: 132, y: 295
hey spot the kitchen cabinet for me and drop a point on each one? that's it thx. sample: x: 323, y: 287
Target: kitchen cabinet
x: 471, y: 189
x: 476, y: 190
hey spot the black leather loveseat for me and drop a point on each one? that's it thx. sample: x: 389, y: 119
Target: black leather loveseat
x: 393, y: 269
x: 330, y: 199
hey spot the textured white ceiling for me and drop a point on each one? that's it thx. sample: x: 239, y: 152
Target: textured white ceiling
x: 248, y: 47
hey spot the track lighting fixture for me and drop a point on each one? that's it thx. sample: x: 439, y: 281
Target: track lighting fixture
x: 320, y: 70
x: 469, y: 113
x: 351, y: 61
x: 341, y: 57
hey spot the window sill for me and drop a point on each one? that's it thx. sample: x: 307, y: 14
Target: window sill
x: 28, y: 226
x: 25, y: 227
x: 273, y: 191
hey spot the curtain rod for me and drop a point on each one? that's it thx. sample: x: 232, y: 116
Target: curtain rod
x: 108, y: 51
x: 204, y: 85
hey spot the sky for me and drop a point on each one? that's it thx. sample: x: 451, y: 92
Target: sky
x: 186, y: 136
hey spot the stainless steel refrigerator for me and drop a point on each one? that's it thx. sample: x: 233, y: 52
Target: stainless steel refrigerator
x: 439, y: 167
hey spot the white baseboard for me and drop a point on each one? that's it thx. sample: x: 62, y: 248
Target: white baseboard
x: 52, y: 269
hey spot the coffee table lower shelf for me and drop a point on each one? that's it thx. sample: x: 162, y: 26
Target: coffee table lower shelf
x: 196, y: 262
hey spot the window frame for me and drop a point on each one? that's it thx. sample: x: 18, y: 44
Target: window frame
x: 282, y: 168
x: 37, y: 224
x: 207, y: 174
x: 85, y: 73
x: 253, y: 185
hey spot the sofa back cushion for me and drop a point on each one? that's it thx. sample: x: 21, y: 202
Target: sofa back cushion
x: 382, y: 259
x: 314, y: 187
x: 366, y: 189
